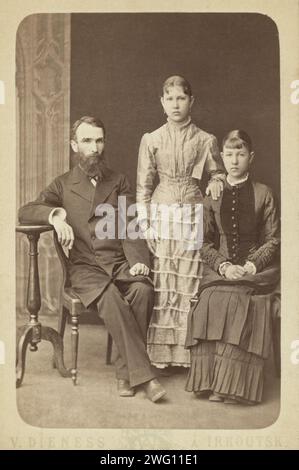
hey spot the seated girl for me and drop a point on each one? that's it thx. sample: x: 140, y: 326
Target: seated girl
x: 229, y: 327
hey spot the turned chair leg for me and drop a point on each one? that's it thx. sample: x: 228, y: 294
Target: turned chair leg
x: 62, y: 321
x: 109, y: 349
x: 74, y: 346
x: 61, y: 327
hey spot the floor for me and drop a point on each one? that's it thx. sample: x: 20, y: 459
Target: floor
x: 94, y: 402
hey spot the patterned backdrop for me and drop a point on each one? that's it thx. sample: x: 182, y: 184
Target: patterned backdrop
x: 43, y: 109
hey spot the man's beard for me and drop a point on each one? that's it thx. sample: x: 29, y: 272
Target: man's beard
x: 93, y: 165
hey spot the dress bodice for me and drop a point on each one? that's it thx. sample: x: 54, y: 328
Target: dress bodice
x: 178, y: 154
x: 243, y: 224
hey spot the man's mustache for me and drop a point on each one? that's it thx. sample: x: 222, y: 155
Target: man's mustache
x: 96, y: 155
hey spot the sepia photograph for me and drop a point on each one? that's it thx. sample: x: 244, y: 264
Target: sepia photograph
x: 154, y: 168
x: 119, y: 79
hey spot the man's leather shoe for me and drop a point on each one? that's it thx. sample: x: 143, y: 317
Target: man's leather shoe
x: 154, y: 390
x: 124, y: 389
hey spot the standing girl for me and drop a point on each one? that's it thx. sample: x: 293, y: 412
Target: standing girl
x: 178, y: 153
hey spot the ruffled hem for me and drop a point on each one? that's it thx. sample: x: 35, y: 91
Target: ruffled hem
x: 163, y: 365
x: 163, y: 355
x: 171, y: 336
x: 166, y: 345
x: 238, y: 377
x: 200, y: 375
x: 226, y: 370
x: 176, y: 277
x: 234, y: 315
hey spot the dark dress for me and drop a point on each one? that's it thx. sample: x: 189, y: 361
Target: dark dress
x: 229, y: 327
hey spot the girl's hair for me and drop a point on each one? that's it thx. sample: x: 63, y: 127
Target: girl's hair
x: 237, y: 139
x: 177, y: 80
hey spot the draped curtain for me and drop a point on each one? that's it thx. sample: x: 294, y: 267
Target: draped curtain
x: 43, y: 122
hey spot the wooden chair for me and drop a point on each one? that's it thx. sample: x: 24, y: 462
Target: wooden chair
x: 72, y: 306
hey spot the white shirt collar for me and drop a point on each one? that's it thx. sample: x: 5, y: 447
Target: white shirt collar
x: 235, y: 183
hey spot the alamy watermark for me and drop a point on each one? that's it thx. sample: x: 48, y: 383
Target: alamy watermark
x: 180, y: 222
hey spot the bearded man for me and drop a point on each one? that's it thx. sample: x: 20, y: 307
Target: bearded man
x: 109, y: 272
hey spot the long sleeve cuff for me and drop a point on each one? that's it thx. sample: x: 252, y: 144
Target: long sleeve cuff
x: 60, y: 211
x: 251, y: 267
x: 222, y: 267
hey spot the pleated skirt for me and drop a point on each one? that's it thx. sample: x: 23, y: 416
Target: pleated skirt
x: 229, y: 337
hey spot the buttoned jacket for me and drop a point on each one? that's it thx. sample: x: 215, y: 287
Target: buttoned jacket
x: 94, y: 262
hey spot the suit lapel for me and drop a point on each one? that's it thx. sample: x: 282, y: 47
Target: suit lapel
x: 102, y: 190
x: 95, y: 195
x: 81, y: 185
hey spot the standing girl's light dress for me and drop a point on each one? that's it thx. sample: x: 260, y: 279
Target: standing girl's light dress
x: 177, y: 153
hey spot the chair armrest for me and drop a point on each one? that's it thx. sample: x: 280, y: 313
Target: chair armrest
x: 63, y: 261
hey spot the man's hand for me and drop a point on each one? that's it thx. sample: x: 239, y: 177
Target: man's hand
x: 215, y: 188
x: 64, y: 232
x: 139, y: 268
x: 234, y: 271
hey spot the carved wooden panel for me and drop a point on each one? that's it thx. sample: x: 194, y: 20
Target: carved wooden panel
x: 43, y: 108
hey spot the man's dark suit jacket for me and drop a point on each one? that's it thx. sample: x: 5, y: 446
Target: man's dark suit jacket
x: 93, y: 263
